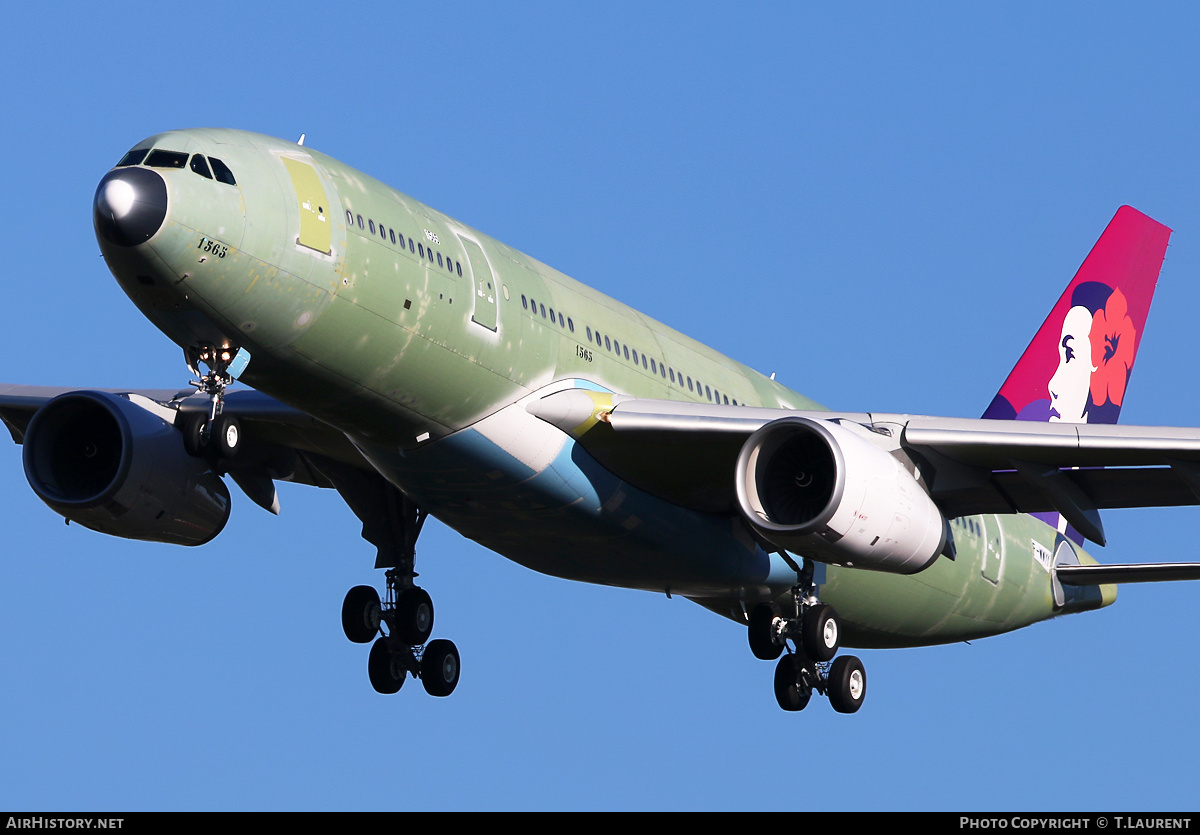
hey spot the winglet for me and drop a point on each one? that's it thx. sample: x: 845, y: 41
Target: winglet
x: 1077, y: 367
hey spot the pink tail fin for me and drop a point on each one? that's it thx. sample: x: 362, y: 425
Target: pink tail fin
x: 1077, y: 367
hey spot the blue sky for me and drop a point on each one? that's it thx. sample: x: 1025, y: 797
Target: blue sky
x: 878, y: 205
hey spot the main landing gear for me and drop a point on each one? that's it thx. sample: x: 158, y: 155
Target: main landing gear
x: 211, y: 433
x: 400, y: 624
x: 814, y: 632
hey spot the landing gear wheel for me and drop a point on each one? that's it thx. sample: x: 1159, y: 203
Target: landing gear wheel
x: 439, y: 668
x: 789, y: 691
x: 847, y: 684
x: 360, y: 614
x: 192, y: 427
x: 820, y: 633
x: 226, y: 436
x: 387, y: 676
x: 414, y: 616
x: 760, y: 631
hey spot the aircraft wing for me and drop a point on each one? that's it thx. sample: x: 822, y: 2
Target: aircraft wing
x: 687, y: 453
x: 280, y: 443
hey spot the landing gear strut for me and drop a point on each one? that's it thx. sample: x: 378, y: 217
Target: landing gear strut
x: 211, y: 432
x: 401, y: 622
x: 815, y: 634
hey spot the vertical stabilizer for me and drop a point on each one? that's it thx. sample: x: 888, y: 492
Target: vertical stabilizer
x: 1078, y: 365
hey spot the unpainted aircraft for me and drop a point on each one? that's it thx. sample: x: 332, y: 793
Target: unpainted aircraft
x: 418, y: 366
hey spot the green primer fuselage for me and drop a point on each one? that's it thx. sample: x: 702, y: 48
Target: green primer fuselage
x: 414, y: 334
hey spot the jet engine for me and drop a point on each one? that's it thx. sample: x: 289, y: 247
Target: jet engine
x: 824, y: 491
x: 118, y: 468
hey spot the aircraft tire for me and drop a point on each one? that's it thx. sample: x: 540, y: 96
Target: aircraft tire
x: 820, y: 633
x: 414, y: 616
x: 758, y: 631
x: 360, y: 614
x: 226, y: 436
x: 847, y: 684
x: 788, y: 692
x: 439, y: 668
x: 192, y: 427
x: 385, y: 676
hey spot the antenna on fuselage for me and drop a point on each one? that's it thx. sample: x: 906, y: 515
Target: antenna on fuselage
x: 300, y: 141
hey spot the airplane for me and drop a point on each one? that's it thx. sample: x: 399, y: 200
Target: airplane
x: 419, y: 367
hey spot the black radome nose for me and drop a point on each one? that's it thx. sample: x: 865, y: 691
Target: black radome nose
x: 130, y: 206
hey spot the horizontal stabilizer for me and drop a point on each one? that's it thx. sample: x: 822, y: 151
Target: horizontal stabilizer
x: 1098, y: 575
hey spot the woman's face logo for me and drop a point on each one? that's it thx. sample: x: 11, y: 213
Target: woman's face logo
x: 1071, y: 383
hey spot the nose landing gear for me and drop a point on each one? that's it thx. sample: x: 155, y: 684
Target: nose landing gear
x: 212, y: 433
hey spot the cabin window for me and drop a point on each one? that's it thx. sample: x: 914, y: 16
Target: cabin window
x: 708, y: 392
x: 421, y: 250
x: 543, y: 307
x: 371, y: 225
x: 635, y: 356
x: 200, y: 166
x: 458, y: 267
x: 166, y: 159
x: 400, y: 238
x: 221, y: 172
x: 392, y: 235
x: 410, y: 245
x: 607, y: 347
x: 552, y: 317
x: 349, y: 218
x: 524, y: 302
x: 439, y: 255
x: 570, y: 325
x: 361, y: 224
x: 589, y: 334
x: 626, y: 349
x: 134, y: 157
x: 689, y: 379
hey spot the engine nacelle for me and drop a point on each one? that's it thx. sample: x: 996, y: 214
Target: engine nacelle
x: 822, y: 491
x: 113, y: 466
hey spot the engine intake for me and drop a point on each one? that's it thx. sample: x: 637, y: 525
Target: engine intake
x: 823, y: 491
x: 108, y: 464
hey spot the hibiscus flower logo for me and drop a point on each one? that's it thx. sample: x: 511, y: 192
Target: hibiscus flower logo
x: 1112, y: 338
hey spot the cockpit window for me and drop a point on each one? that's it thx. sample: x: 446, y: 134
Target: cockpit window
x: 221, y: 172
x: 134, y: 157
x: 200, y: 166
x: 166, y: 159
